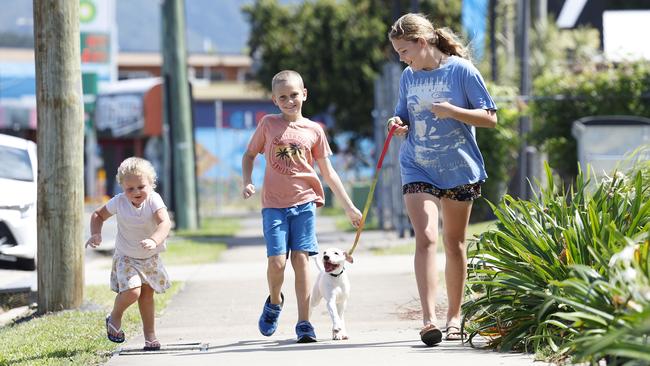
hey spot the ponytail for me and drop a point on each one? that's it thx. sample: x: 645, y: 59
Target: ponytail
x: 448, y: 43
x: 412, y: 27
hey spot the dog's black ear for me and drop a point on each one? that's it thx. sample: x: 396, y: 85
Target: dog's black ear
x: 348, y: 257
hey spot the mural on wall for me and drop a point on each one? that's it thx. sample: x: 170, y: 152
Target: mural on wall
x: 221, y: 133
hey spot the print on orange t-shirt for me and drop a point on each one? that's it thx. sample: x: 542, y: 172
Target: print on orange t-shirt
x: 290, y: 149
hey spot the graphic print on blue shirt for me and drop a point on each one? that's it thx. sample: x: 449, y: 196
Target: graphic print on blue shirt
x: 441, y: 151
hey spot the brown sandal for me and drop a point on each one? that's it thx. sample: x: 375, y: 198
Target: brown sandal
x: 430, y: 335
x: 454, y: 333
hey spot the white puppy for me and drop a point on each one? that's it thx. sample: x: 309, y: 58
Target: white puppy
x: 333, y: 285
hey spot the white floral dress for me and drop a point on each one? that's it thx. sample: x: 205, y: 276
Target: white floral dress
x: 128, y: 273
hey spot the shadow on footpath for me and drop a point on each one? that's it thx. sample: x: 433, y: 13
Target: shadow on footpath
x: 286, y: 345
x: 289, y: 345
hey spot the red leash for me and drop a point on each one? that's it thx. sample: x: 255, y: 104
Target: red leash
x: 372, y: 188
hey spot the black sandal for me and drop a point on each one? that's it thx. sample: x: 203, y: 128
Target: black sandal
x: 430, y: 335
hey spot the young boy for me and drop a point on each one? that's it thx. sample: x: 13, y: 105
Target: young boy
x: 291, y: 192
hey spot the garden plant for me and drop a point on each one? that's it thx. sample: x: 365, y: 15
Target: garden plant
x: 567, y: 274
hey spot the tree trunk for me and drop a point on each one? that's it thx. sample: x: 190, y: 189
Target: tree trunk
x: 60, y: 154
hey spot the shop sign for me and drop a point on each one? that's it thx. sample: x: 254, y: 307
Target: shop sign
x: 119, y: 115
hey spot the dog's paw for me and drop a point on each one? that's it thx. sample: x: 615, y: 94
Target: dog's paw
x: 339, y: 334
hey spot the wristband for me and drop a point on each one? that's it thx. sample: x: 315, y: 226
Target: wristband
x: 392, y: 119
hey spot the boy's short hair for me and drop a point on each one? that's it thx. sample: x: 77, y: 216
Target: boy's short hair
x: 138, y: 167
x: 285, y: 76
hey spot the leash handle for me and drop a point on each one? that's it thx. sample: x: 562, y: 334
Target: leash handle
x: 372, y: 188
x: 385, y: 149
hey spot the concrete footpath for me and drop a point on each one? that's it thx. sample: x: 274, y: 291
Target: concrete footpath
x: 213, y: 319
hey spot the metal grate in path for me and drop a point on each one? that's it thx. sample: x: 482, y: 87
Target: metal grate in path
x: 165, y: 349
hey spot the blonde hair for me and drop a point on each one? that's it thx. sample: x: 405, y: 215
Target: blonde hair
x: 137, y: 167
x: 286, y: 76
x: 411, y: 27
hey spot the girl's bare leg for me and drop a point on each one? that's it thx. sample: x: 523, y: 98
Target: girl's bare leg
x: 147, y: 312
x: 455, y: 216
x: 423, y: 212
x: 122, y: 301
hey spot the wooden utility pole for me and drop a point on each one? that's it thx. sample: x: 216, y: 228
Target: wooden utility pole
x: 59, y: 103
x: 525, y: 151
x: 178, y: 114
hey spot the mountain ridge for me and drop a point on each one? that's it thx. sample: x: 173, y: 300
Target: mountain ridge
x: 211, y: 26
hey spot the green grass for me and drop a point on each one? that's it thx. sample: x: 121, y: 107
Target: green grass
x: 71, y: 337
x: 200, y: 245
x: 78, y: 337
x: 472, y: 231
x: 181, y: 252
x: 212, y: 227
x: 342, y: 222
x: 330, y: 211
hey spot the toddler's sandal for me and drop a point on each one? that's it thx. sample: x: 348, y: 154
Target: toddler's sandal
x: 153, y: 345
x: 119, y: 338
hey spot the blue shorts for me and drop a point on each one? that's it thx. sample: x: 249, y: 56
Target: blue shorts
x: 289, y: 229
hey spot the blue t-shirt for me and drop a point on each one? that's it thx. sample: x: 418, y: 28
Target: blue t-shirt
x: 442, y: 152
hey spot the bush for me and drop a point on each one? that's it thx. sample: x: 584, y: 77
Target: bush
x: 569, y: 272
x: 622, y: 90
x: 499, y: 147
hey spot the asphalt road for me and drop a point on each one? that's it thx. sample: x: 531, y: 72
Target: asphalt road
x: 94, y: 260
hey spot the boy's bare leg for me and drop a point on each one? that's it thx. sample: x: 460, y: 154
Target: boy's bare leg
x: 122, y: 301
x: 147, y: 312
x: 300, y: 264
x: 275, y: 276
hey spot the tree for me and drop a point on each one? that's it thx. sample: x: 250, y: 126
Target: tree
x: 334, y: 45
x: 337, y: 46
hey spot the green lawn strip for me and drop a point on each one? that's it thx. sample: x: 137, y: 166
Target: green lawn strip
x: 330, y: 211
x: 182, y: 251
x: 78, y: 337
x: 212, y: 227
x: 187, y: 251
x: 72, y: 337
x: 343, y: 224
x: 472, y: 230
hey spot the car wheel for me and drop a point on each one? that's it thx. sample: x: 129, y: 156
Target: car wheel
x: 26, y: 264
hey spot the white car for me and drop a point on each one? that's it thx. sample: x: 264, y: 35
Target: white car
x: 18, y: 190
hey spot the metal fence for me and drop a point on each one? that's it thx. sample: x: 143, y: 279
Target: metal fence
x: 389, y: 205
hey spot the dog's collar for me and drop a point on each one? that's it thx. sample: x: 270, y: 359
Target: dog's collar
x: 338, y: 274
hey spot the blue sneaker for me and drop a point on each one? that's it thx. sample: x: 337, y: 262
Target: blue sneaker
x: 268, y: 322
x: 305, y: 332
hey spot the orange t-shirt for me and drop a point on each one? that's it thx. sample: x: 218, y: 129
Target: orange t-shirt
x: 290, y: 149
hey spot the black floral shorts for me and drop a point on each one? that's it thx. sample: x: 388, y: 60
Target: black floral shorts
x: 466, y: 192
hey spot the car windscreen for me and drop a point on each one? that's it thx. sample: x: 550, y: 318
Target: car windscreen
x: 15, y: 164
